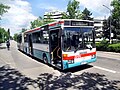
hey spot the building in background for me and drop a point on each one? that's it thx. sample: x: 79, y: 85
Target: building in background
x: 53, y: 15
x: 98, y: 25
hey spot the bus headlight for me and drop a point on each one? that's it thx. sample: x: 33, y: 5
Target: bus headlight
x: 93, y: 56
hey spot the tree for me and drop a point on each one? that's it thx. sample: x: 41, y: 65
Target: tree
x: 3, y: 9
x: 41, y: 21
x: 23, y: 30
x: 106, y: 28
x: 106, y: 31
x: 73, y: 11
x: 116, y: 9
x: 3, y: 35
x: 36, y: 23
x: 86, y: 14
x: 15, y: 36
x: 116, y: 16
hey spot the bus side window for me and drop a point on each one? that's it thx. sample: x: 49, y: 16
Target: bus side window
x: 44, y: 37
x: 54, y: 39
x: 36, y: 37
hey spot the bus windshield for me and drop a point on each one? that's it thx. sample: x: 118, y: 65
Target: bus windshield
x: 76, y: 38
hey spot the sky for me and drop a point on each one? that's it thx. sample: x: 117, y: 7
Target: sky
x: 22, y: 12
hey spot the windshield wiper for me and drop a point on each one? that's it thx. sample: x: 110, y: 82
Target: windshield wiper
x: 79, y: 45
x: 89, y: 46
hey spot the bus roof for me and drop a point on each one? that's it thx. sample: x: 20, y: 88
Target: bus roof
x: 60, y: 21
x: 76, y: 20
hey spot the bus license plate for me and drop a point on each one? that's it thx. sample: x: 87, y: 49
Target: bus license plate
x: 82, y: 63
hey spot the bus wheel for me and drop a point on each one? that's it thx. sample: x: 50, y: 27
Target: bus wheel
x: 45, y: 59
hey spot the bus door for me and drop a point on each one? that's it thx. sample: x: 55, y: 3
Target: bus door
x: 55, y: 47
x: 30, y: 45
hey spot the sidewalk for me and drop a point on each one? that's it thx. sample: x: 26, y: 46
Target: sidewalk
x: 110, y: 55
x: 22, y: 62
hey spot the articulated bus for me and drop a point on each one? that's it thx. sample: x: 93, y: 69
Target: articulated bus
x: 64, y: 44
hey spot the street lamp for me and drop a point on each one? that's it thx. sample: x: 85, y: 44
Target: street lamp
x: 110, y: 20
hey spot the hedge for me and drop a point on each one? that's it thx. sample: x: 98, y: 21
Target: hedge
x: 114, y: 47
x: 1, y: 41
x: 105, y: 46
x: 102, y: 46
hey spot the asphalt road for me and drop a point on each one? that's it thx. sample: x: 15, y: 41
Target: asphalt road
x: 102, y: 74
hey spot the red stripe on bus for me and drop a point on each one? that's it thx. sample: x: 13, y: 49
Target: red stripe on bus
x: 80, y: 55
x: 37, y: 29
x: 68, y: 58
x: 53, y: 24
x: 33, y: 30
x: 88, y: 54
x: 60, y: 22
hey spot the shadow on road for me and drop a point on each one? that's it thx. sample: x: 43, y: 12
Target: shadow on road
x: 78, y: 68
x: 11, y: 79
x: 85, y: 81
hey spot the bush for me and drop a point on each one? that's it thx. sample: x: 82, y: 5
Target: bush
x: 1, y: 41
x: 114, y: 47
x: 102, y: 46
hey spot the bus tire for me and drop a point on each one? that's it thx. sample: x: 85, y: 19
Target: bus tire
x: 45, y: 59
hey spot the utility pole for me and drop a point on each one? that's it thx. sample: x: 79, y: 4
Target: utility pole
x: 110, y: 20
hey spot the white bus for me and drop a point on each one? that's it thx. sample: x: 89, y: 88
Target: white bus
x: 64, y: 44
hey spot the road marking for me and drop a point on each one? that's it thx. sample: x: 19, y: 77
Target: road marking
x: 108, y: 70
